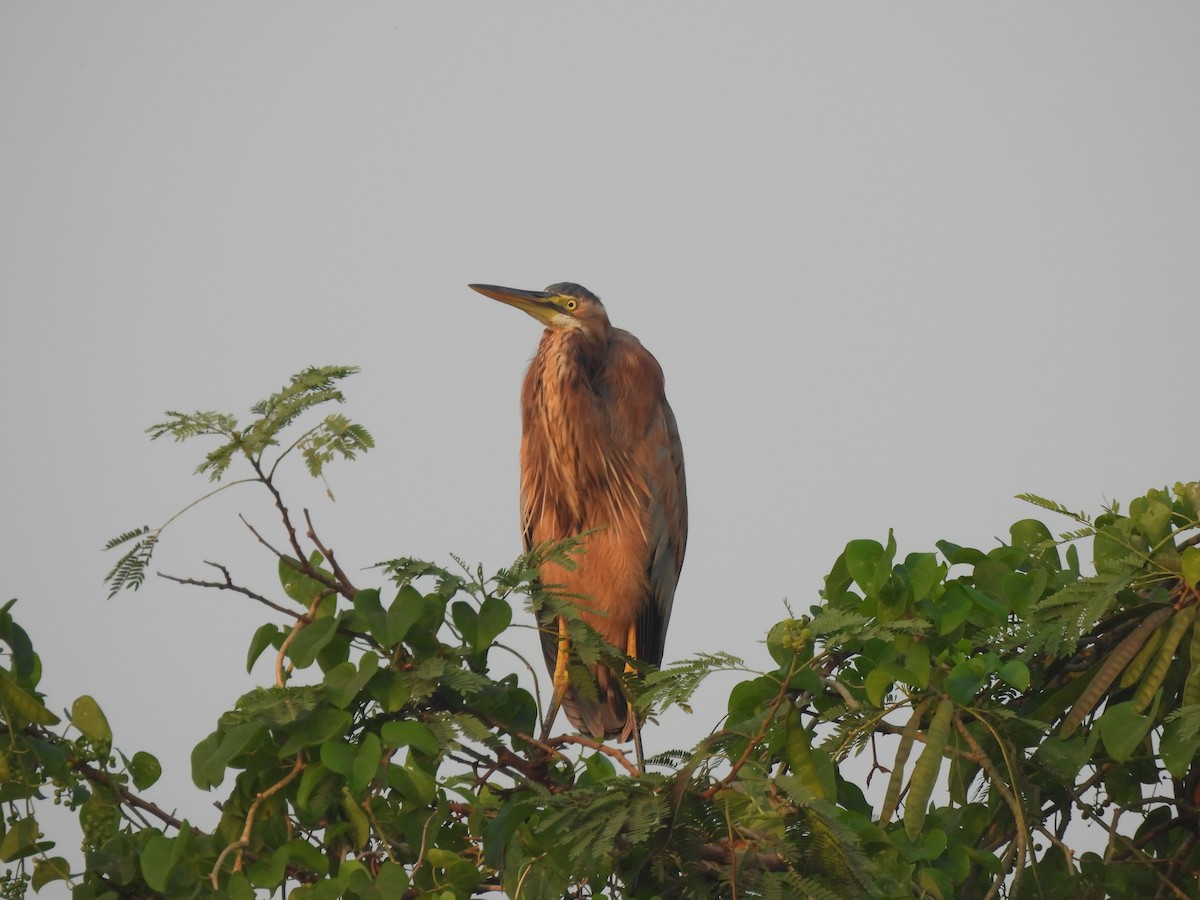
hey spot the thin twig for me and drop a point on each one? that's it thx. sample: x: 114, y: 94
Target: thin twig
x: 262, y: 540
x: 228, y: 585
x: 244, y: 841
x: 127, y: 797
x: 711, y: 791
x: 1020, y: 836
x: 346, y: 589
x: 300, y: 622
x: 597, y: 746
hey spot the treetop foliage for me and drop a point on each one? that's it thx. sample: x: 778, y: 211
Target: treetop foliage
x: 937, y: 725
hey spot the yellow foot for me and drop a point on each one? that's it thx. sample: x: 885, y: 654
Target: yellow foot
x: 561, y: 678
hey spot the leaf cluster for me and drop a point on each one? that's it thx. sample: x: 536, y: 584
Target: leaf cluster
x: 1002, y: 694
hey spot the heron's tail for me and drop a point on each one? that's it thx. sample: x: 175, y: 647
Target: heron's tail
x: 607, y: 718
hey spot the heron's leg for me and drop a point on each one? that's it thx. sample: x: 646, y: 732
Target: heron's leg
x: 560, y: 679
x: 631, y: 652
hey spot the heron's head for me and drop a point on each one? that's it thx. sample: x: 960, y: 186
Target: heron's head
x: 561, y: 306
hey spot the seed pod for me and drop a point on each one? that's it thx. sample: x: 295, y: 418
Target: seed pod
x: 925, y: 772
x: 1113, y: 665
x: 798, y: 745
x: 891, y: 799
x: 1143, y: 659
x: 1166, y: 655
x: 1191, y: 688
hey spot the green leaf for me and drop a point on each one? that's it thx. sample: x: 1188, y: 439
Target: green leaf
x: 404, y: 612
x: 495, y: 615
x: 338, y: 756
x: 1123, y: 730
x: 46, y: 870
x: 877, y: 684
x: 214, y: 753
x: 20, y: 840
x: 1015, y: 673
x: 343, y: 682
x: 1179, y: 747
x: 316, y: 729
x: 157, y: 859
x: 1190, y: 562
x: 465, y: 620
x: 144, y: 769
x: 263, y: 638
x: 952, y: 608
x: 366, y: 763
x: 868, y: 565
x: 410, y: 734
x: 15, y: 699
x: 300, y: 587
x: 311, y: 639
x: 87, y: 716
x: 367, y: 605
x: 966, y: 680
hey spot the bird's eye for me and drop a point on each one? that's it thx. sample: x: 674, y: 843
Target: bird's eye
x: 572, y: 305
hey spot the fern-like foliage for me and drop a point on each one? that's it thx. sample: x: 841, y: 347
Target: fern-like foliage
x: 1060, y: 620
x: 675, y: 685
x: 1055, y: 506
x: 130, y: 570
x: 336, y: 436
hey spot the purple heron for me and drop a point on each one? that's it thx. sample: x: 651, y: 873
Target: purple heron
x: 600, y: 454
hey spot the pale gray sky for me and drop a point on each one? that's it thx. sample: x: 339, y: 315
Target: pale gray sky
x: 899, y: 263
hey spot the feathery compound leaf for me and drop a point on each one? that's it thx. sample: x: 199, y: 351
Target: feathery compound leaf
x: 1055, y: 506
x: 127, y: 536
x: 336, y: 436
x: 675, y: 685
x: 130, y: 569
x: 312, y: 387
x: 1058, y: 621
x: 182, y: 426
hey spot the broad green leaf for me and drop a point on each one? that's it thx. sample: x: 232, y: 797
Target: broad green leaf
x: 316, y: 729
x: 300, y: 587
x: 1179, y: 747
x: 965, y: 680
x: 310, y: 640
x: 213, y: 755
x: 404, y: 612
x: 1123, y: 730
x: 1151, y: 515
x: 343, y: 682
x: 366, y: 763
x: 877, y: 684
x: 466, y: 621
x: 1030, y: 534
x: 916, y: 664
x: 20, y: 840
x: 144, y: 769
x: 157, y: 858
x: 868, y: 565
x: 495, y: 615
x: 410, y: 734
x: 263, y: 638
x: 16, y: 699
x: 1190, y: 562
x: 338, y: 756
x: 87, y: 716
x: 1063, y: 759
x: 368, y: 606
x: 55, y: 868
x: 952, y: 608
x: 1015, y: 673
x: 923, y: 571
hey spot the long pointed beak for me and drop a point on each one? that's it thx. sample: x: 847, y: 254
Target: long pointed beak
x: 537, y: 303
